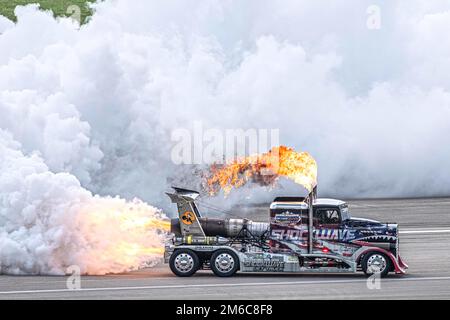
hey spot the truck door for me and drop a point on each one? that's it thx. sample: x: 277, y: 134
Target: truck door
x: 327, y: 223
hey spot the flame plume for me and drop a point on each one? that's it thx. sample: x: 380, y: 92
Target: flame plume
x: 264, y: 169
x: 118, y: 235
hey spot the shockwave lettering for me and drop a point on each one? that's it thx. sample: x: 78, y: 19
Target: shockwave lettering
x: 323, y: 234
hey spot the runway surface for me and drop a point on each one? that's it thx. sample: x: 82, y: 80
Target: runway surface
x: 424, y: 245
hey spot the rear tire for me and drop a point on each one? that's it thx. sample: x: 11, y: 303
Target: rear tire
x: 224, y: 263
x: 376, y: 262
x: 184, y: 263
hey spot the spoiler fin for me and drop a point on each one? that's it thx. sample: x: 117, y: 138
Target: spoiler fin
x: 188, y: 213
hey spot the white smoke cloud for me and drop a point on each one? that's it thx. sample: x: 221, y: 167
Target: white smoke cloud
x: 93, y: 108
x: 49, y: 222
x: 5, y: 24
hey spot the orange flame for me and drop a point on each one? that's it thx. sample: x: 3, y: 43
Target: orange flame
x: 264, y: 169
x: 119, y: 236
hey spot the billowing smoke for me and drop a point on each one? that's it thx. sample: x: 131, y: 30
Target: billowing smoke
x: 93, y: 107
x: 49, y: 222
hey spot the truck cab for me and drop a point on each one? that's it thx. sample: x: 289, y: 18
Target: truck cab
x: 330, y: 213
x: 335, y: 232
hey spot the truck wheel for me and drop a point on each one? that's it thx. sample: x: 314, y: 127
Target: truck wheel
x: 376, y: 262
x: 224, y: 263
x: 184, y: 262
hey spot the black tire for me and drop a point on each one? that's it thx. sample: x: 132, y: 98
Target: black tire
x: 221, y: 269
x: 368, y: 266
x: 184, y: 259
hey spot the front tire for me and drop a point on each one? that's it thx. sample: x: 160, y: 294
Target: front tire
x: 224, y: 263
x: 184, y: 263
x: 376, y: 262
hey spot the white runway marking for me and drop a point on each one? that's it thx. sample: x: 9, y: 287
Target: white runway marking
x: 248, y: 284
x: 406, y: 231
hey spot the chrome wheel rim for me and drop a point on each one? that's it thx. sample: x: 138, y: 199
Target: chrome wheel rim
x: 184, y: 262
x: 376, y: 263
x: 224, y: 262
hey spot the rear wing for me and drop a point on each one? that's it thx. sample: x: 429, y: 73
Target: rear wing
x: 187, y: 211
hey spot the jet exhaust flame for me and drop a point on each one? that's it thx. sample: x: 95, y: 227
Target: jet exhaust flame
x: 264, y: 169
x: 49, y: 222
x: 122, y: 235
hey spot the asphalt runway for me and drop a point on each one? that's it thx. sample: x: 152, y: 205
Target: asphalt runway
x: 424, y: 245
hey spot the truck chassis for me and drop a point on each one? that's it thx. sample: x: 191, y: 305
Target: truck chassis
x: 226, y: 246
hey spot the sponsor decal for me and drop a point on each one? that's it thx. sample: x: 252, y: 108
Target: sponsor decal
x: 264, y: 262
x: 274, y: 264
x: 204, y: 248
x: 188, y: 218
x: 287, y: 218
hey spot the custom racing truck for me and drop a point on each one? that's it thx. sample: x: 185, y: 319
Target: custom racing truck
x: 304, y: 234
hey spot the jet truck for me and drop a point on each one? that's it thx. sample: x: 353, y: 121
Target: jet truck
x: 302, y: 234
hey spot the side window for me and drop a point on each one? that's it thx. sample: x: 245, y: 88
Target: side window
x: 328, y: 216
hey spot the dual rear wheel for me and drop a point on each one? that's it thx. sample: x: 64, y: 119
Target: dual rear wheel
x: 224, y: 263
x: 185, y: 262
